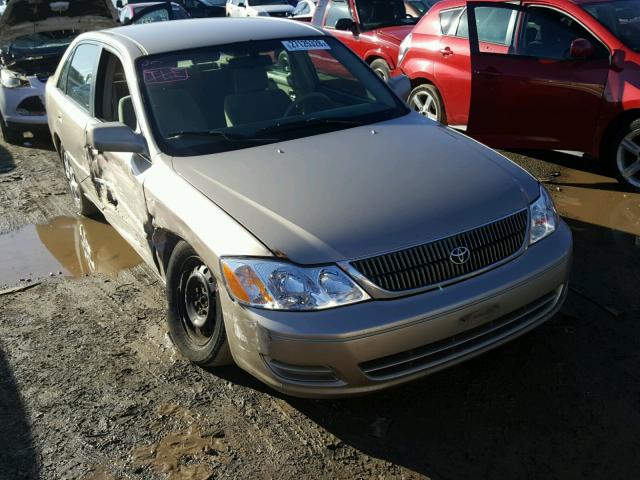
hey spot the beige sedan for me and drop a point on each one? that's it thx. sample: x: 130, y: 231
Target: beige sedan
x: 307, y: 224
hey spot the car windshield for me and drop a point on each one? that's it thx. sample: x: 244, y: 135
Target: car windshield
x: 245, y: 94
x: 383, y: 13
x: 44, y: 40
x: 621, y: 17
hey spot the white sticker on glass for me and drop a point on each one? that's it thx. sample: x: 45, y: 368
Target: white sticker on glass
x: 297, y: 45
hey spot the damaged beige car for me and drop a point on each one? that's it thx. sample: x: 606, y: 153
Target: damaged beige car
x: 308, y: 225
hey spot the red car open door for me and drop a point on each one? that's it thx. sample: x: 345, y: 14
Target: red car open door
x: 545, y: 89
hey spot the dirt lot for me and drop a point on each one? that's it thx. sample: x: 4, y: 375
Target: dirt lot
x: 91, y: 387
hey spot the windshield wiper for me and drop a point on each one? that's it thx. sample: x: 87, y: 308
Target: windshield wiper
x: 229, y: 137
x: 311, y: 122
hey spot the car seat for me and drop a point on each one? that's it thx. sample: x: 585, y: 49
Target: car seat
x: 253, y: 100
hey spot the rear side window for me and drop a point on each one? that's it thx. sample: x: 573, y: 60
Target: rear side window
x: 337, y: 9
x: 448, y: 21
x: 80, y: 76
x: 493, y: 25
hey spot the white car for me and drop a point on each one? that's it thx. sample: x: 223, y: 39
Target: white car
x: 258, y: 8
x: 34, y: 35
x: 304, y: 10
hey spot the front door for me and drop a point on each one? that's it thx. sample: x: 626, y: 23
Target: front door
x: 119, y: 176
x: 539, y: 92
x: 74, y: 95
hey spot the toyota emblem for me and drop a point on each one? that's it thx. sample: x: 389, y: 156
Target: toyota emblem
x: 460, y: 255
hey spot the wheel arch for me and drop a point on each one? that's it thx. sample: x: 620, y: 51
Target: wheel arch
x: 612, y: 127
x: 164, y: 243
x: 370, y: 57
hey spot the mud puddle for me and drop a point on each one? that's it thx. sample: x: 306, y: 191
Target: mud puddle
x: 67, y: 246
x: 187, y: 453
x: 598, y: 200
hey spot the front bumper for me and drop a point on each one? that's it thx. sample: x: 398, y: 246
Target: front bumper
x: 16, y: 103
x: 377, y: 344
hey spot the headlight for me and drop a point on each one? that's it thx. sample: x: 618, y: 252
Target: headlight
x: 282, y: 286
x: 404, y: 48
x: 11, y: 79
x: 544, y: 217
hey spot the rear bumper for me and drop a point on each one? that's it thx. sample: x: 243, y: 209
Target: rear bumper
x: 378, y: 344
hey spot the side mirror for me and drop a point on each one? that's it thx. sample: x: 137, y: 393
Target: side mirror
x: 241, y: 5
x: 581, y: 48
x: 401, y: 85
x: 617, y: 60
x: 115, y: 137
x: 347, y: 24
x: 119, y: 4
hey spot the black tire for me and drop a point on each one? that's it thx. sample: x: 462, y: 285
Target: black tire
x: 381, y: 68
x: 620, y: 160
x: 192, y: 296
x: 82, y: 204
x: 419, y: 96
x: 10, y: 135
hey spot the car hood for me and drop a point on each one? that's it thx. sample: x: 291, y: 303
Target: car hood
x: 273, y: 8
x: 354, y: 194
x: 395, y: 34
x: 24, y: 17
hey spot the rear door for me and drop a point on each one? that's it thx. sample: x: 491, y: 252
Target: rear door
x: 75, y: 108
x: 453, y: 66
x: 534, y: 93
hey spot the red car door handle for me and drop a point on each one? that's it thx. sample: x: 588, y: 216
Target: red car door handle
x: 446, y: 51
x: 489, y: 72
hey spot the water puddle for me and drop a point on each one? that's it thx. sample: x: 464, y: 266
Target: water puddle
x: 67, y: 246
x: 597, y: 200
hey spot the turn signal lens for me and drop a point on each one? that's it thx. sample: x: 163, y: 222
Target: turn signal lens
x: 245, y: 285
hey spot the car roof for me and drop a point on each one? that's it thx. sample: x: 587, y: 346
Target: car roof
x: 161, y: 37
x: 444, y: 4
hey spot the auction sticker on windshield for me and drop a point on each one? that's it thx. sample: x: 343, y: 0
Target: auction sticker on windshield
x: 297, y: 45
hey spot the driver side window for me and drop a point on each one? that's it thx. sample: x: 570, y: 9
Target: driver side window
x: 548, y: 34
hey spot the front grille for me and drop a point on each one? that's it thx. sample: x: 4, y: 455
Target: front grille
x: 277, y: 14
x: 430, y: 264
x: 449, y: 349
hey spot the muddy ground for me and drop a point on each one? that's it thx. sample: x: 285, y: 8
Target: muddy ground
x: 91, y: 387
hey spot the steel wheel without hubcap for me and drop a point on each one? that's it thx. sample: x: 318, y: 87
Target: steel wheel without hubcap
x: 628, y: 158
x: 424, y: 103
x: 197, y: 301
x: 74, y: 186
x: 194, y: 317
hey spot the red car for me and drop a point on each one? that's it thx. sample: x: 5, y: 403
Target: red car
x: 545, y: 74
x: 373, y: 29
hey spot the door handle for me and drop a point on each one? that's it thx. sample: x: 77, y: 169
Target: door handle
x: 489, y: 72
x: 60, y: 117
x: 446, y: 51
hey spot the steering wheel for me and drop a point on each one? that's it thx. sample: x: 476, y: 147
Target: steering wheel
x: 298, y: 102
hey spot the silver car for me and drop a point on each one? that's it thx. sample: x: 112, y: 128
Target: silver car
x: 34, y: 34
x: 307, y: 224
